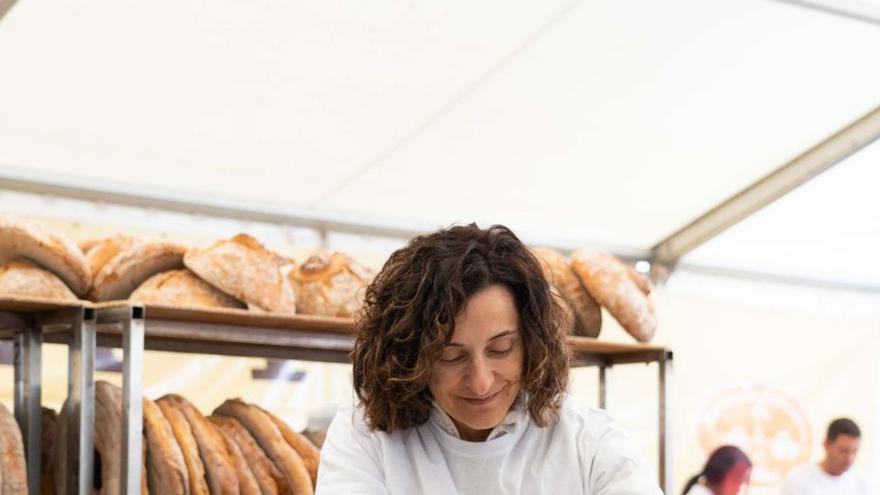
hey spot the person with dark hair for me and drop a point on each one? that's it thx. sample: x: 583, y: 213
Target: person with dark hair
x: 833, y: 475
x: 460, y: 368
x: 726, y: 471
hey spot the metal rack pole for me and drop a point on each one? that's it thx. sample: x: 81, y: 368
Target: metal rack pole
x: 604, y: 385
x: 665, y: 424
x: 81, y: 403
x: 28, y: 392
x: 132, y: 397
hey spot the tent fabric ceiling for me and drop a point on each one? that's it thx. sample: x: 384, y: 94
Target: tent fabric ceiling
x: 579, y: 122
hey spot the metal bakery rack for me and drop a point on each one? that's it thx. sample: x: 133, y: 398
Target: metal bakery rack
x: 135, y: 328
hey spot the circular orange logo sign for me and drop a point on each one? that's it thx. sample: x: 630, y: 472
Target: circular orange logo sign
x: 766, y: 424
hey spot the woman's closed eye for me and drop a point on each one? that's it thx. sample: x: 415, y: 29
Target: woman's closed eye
x: 499, y: 352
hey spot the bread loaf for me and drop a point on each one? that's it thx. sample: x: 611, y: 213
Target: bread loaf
x: 23, y: 278
x: 611, y: 283
x: 182, y: 288
x: 330, y: 285
x: 101, y: 251
x: 23, y: 238
x: 272, y: 441
x: 587, y: 313
x: 310, y: 454
x: 12, y: 463
x: 131, y: 267
x: 166, y: 467
x: 198, y: 484
x: 269, y: 478
x: 247, y: 271
x: 247, y: 482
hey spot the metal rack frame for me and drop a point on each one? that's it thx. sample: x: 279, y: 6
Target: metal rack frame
x: 30, y: 322
x: 136, y: 328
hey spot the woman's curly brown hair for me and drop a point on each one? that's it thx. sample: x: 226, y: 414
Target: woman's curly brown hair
x: 409, y: 314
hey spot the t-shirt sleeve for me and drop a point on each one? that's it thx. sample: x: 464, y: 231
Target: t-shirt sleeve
x: 615, y: 467
x: 350, y: 458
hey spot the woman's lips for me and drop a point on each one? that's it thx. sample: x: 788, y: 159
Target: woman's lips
x: 476, y: 401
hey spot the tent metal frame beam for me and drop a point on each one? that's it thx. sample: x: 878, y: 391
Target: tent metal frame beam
x: 776, y: 278
x: 20, y: 180
x: 768, y: 189
x: 102, y: 191
x: 844, y: 8
x: 5, y: 6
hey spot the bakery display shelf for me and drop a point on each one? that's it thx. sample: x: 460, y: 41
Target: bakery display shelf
x: 136, y: 328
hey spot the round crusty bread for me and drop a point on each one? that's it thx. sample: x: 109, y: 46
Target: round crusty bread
x: 611, y: 283
x: 198, y: 484
x: 219, y: 468
x: 23, y: 278
x: 182, y: 288
x: 331, y: 285
x: 587, y: 313
x: 247, y: 481
x: 101, y: 251
x: 166, y: 467
x: 23, y: 238
x: 108, y: 440
x: 271, y: 440
x: 247, y: 271
x: 12, y: 462
x: 310, y: 454
x: 131, y: 267
x: 268, y: 476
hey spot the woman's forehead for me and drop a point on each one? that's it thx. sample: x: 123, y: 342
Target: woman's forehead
x: 489, y: 312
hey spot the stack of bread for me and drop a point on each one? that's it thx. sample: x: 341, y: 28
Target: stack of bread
x: 239, y: 449
x: 590, y: 280
x: 37, y: 262
x: 238, y: 273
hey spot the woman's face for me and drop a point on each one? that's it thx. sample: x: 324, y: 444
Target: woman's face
x: 477, y: 378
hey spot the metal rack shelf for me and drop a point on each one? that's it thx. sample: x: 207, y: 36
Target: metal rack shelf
x: 136, y: 328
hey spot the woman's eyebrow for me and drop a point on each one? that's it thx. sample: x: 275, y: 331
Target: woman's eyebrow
x: 494, y: 337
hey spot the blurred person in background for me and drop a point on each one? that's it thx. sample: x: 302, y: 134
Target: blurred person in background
x: 833, y: 475
x: 726, y: 472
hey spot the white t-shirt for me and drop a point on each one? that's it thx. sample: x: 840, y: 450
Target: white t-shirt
x: 583, y: 453
x: 811, y: 479
x: 700, y: 489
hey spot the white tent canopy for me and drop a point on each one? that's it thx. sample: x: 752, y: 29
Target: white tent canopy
x: 575, y: 122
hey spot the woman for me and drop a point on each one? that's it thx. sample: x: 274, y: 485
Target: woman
x: 725, y: 473
x: 461, y: 367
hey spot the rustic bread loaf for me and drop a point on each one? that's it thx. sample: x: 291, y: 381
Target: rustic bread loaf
x: 611, y: 283
x: 247, y: 271
x: 131, y: 267
x: 587, y: 313
x: 12, y: 461
x: 23, y: 238
x: 310, y: 454
x: 269, y: 478
x: 330, y: 285
x: 219, y: 469
x: 247, y: 481
x: 101, y: 251
x: 272, y: 441
x: 166, y: 467
x: 20, y: 277
x: 198, y: 484
x: 182, y: 288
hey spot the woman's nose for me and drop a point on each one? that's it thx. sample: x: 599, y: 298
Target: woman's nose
x: 480, y: 378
